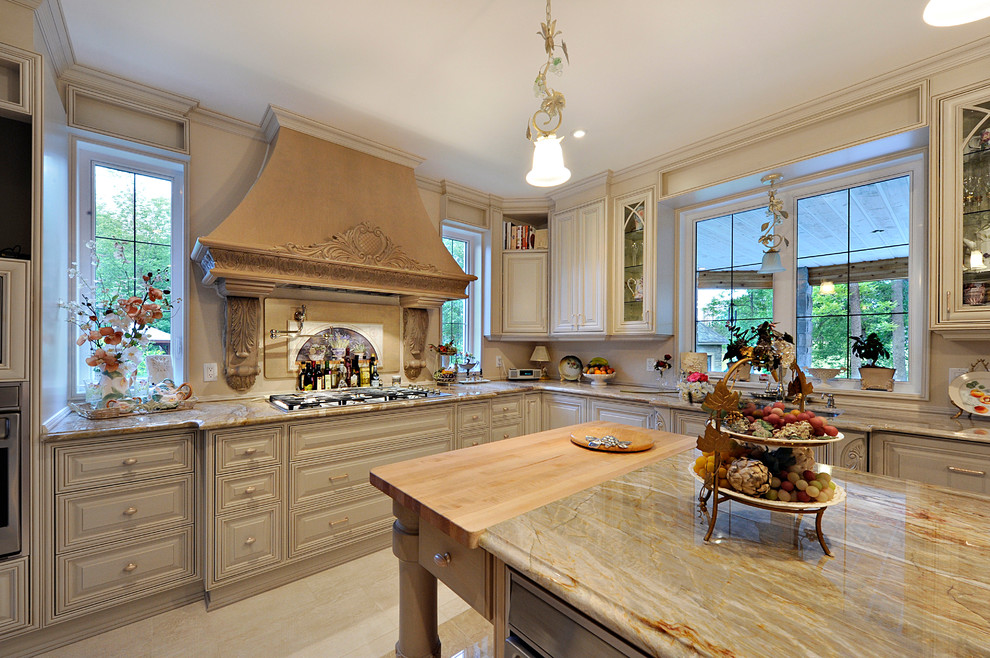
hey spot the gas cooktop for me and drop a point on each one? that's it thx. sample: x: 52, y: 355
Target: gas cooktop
x: 350, y: 396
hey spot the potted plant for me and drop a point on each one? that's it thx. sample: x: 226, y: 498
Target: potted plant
x: 871, y: 349
x: 738, y: 348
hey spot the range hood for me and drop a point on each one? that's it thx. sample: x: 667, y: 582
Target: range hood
x: 329, y: 210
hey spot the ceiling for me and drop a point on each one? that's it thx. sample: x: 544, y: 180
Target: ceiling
x: 451, y: 80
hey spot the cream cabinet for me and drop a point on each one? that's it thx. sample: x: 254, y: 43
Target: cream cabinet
x: 124, y: 520
x: 627, y: 413
x: 960, y: 234
x: 690, y: 422
x: 633, y: 281
x: 534, y: 412
x: 578, y: 268
x: 561, y: 410
x: 13, y: 595
x: 525, y: 294
x: 950, y: 463
x: 851, y: 452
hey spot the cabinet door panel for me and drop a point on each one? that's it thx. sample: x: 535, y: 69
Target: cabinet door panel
x: 591, y: 268
x: 691, y: 423
x: 563, y: 410
x: 564, y: 249
x: 524, y: 294
x: 639, y: 415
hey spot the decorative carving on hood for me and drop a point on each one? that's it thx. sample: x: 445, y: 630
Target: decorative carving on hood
x: 362, y: 244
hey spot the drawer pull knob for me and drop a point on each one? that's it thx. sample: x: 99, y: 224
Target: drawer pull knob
x: 505, y: 408
x: 474, y: 417
x: 250, y: 540
x: 250, y: 451
x: 250, y: 490
x: 505, y: 436
x: 966, y: 471
x: 338, y: 521
x: 342, y: 476
x: 442, y: 559
x: 130, y: 461
x: 130, y: 511
x: 130, y: 567
x: 474, y: 443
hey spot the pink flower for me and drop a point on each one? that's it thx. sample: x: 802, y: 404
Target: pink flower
x: 697, y: 377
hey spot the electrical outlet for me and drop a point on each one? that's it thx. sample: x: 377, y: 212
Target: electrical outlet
x: 209, y: 372
x: 498, y: 362
x: 651, y: 364
x: 955, y: 372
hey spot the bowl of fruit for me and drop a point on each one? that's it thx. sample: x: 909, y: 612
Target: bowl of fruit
x: 775, y: 425
x: 598, y: 371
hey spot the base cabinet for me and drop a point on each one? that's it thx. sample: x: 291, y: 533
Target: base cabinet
x: 607, y: 411
x: 683, y: 421
x: 13, y: 595
x: 561, y: 410
x: 943, y: 462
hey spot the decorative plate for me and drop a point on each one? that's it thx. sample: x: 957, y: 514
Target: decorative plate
x: 570, y: 368
x: 971, y: 392
x: 838, y: 497
x: 784, y: 443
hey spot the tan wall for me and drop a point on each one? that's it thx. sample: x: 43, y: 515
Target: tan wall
x: 17, y: 26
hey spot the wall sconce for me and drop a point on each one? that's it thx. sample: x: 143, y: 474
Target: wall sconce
x: 770, y: 238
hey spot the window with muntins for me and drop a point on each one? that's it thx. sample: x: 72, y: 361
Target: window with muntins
x: 460, y: 319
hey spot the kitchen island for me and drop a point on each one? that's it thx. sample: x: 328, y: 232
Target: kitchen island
x: 909, y: 574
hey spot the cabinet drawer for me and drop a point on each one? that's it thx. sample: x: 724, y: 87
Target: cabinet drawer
x: 313, y: 481
x: 115, y: 513
x: 349, y: 437
x: 963, y: 466
x: 508, y: 430
x: 121, y: 461
x: 246, y: 542
x: 13, y: 594
x: 507, y: 408
x: 246, y: 448
x: 340, y: 524
x: 84, y: 579
x: 241, y: 491
x: 462, y: 569
x: 473, y: 416
x: 469, y: 439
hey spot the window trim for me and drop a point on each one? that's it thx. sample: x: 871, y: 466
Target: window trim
x: 86, y: 152
x: 476, y: 261
x: 912, y: 163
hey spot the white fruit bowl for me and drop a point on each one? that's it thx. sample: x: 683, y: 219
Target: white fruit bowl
x: 824, y: 374
x: 599, y: 380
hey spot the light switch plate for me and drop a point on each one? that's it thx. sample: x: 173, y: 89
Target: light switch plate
x: 498, y: 361
x: 955, y: 372
x: 651, y: 364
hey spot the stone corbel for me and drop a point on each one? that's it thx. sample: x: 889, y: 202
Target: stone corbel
x: 241, y: 365
x: 415, y: 323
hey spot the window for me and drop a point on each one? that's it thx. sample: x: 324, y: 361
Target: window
x: 854, y: 266
x: 130, y: 208
x: 460, y: 319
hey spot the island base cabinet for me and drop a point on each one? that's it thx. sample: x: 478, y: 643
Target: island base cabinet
x: 941, y: 462
x: 466, y: 571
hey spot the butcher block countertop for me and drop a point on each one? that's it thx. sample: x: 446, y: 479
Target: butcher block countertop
x: 466, y: 491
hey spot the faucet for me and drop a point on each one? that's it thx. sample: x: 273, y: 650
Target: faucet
x: 829, y: 400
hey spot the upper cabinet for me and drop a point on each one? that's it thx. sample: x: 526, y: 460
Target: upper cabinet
x: 633, y: 282
x: 520, y: 307
x: 961, y: 230
x: 578, y: 269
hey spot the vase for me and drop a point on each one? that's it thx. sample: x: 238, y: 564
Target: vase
x: 108, y: 385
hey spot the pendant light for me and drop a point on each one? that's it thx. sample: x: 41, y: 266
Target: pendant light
x: 770, y: 238
x: 827, y: 288
x: 548, y: 157
x: 944, y: 13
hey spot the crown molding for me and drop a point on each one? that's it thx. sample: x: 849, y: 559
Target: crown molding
x: 277, y: 117
x: 602, y: 179
x: 227, y: 123
x: 428, y: 184
x: 51, y: 23
x: 30, y: 4
x: 106, y: 84
x: 526, y: 206
x: 466, y: 195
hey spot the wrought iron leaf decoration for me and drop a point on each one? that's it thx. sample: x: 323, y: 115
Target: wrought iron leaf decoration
x: 714, y: 440
x: 722, y: 399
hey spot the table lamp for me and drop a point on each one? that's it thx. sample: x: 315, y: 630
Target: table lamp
x: 542, y: 356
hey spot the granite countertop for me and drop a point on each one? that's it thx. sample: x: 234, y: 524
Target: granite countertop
x: 904, y: 579
x: 255, y: 411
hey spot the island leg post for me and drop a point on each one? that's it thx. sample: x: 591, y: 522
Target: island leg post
x: 417, y: 590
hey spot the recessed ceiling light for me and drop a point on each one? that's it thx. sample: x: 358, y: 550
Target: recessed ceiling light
x: 943, y: 13
x: 578, y: 134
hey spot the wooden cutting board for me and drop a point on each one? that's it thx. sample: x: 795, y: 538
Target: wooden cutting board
x: 638, y: 438
x: 464, y: 492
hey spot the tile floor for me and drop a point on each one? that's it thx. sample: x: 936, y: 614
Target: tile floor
x: 349, y: 611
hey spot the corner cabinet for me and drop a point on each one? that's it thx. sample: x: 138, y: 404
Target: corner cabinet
x: 633, y: 283
x: 960, y: 301
x: 578, y: 262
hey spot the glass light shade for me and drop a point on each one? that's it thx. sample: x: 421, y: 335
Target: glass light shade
x: 827, y: 288
x: 771, y: 263
x: 976, y: 260
x: 943, y: 13
x: 548, y: 163
x: 540, y: 354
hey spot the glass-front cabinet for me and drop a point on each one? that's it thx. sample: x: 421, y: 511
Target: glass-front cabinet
x: 961, y: 229
x: 633, y: 281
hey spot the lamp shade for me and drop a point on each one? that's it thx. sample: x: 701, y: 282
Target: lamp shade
x: 771, y: 263
x: 943, y: 13
x: 540, y: 354
x: 548, y: 163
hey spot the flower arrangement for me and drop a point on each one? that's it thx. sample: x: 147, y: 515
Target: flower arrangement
x: 695, y: 386
x: 445, y: 349
x: 115, y: 323
x: 663, y: 364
